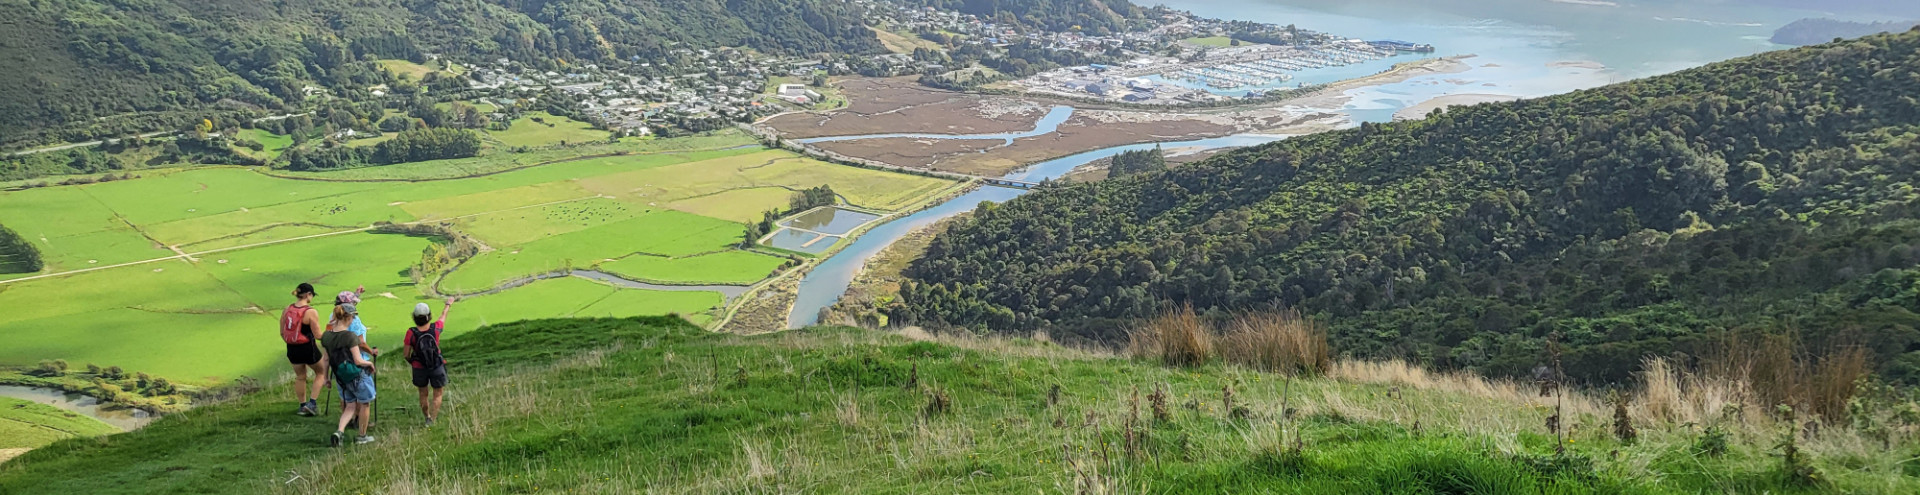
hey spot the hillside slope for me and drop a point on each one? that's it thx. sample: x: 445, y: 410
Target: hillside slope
x: 1773, y: 192
x: 75, y: 60
x: 656, y: 405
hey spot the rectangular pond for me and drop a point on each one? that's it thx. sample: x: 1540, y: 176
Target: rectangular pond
x: 805, y: 242
x: 829, y: 220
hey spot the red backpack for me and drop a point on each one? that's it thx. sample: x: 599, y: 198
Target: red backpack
x: 290, y: 322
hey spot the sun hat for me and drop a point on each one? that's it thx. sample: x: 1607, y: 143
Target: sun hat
x: 422, y: 309
x: 347, y: 296
x: 350, y: 308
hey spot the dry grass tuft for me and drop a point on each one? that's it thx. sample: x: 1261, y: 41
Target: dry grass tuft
x: 1178, y: 338
x: 1282, y: 342
x: 1775, y: 370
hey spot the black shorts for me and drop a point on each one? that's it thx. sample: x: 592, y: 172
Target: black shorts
x: 436, y: 377
x: 303, y: 354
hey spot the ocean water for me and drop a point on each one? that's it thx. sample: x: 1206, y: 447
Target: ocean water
x: 1524, y: 48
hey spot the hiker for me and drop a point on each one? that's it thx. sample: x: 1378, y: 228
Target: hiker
x: 352, y: 372
x: 422, y: 350
x: 299, y: 328
x: 359, y: 329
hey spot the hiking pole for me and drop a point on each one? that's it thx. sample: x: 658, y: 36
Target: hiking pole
x: 373, y: 410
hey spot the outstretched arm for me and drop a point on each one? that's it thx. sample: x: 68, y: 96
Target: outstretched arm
x: 357, y: 358
x: 447, y: 310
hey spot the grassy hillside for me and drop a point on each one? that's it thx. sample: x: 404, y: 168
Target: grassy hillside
x: 655, y: 404
x: 1772, y: 193
x: 28, y: 424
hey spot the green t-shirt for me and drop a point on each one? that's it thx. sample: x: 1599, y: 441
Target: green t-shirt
x: 337, y: 344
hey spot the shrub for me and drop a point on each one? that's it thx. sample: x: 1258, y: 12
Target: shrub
x: 1178, y: 338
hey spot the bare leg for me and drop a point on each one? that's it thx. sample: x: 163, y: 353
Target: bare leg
x: 300, y: 382
x: 346, y: 415
x: 435, y: 411
x: 319, y: 382
x: 365, y: 409
x: 426, y: 408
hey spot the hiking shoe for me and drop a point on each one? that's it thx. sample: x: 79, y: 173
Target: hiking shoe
x: 429, y: 423
x: 334, y: 439
x: 306, y: 409
x: 364, y: 439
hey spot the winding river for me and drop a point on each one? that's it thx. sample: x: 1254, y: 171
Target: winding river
x: 824, y: 285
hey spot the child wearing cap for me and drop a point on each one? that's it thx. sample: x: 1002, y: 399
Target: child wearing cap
x: 422, y: 350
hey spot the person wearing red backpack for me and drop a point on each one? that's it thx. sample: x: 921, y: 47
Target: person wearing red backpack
x: 422, y: 350
x: 299, y: 325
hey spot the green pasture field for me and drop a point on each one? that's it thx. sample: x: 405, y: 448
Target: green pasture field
x: 275, y: 233
x: 735, y: 205
x: 274, y: 143
x: 573, y: 296
x: 372, y: 140
x: 1212, y: 41
x: 672, y: 150
x: 660, y: 231
x: 726, y: 267
x: 210, y: 318
x: 406, y: 68
x: 521, y: 226
x: 481, y: 106
x: 556, y: 130
x: 200, y: 322
x: 689, y: 182
x: 29, y: 424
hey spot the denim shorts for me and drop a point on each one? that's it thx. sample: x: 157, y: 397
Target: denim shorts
x: 358, y: 391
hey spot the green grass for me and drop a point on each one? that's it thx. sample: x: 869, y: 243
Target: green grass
x: 656, y: 405
x: 273, y: 143
x: 573, y: 296
x: 205, y: 321
x: 726, y: 267
x: 1213, y: 41
x: 555, y: 130
x: 406, y: 68
x: 29, y: 424
x: 691, y: 186
x: 498, y: 161
x: 661, y: 232
x: 173, y: 318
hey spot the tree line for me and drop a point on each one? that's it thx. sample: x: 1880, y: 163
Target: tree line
x: 410, y: 146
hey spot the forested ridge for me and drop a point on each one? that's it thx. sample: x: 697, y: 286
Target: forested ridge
x: 1772, y: 193
x: 151, y: 65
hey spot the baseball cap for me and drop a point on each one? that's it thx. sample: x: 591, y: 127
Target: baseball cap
x: 347, y: 296
x: 422, y: 309
x: 350, y: 308
x: 303, y: 289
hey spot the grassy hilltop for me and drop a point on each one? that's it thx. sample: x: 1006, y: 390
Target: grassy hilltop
x: 656, y: 404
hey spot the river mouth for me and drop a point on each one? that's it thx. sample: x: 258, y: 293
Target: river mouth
x: 124, y: 418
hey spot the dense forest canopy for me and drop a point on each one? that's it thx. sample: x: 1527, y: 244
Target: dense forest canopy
x: 153, y: 64
x: 1770, y: 193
